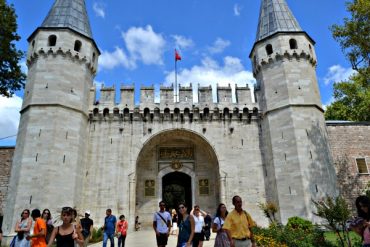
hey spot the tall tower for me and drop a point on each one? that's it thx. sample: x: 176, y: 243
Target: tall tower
x: 297, y: 159
x: 48, y: 165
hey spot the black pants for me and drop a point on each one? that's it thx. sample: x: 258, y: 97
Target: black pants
x: 198, y: 236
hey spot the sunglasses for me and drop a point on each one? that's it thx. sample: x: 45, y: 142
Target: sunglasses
x: 25, y: 213
x: 181, y: 207
x: 162, y: 205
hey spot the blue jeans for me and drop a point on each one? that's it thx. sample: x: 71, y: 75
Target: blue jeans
x: 105, y: 239
x: 122, y: 240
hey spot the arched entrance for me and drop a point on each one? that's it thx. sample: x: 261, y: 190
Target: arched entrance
x: 175, y: 165
x: 176, y: 188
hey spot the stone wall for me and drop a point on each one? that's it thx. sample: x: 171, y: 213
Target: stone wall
x: 349, y: 141
x: 6, y: 157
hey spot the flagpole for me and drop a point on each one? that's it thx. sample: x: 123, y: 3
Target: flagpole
x: 175, y: 80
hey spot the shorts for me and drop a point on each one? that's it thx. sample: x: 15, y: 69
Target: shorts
x: 162, y: 239
x: 198, y: 237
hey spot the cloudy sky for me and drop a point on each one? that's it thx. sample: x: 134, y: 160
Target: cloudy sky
x: 137, y: 40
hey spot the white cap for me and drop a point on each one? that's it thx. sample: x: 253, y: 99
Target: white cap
x: 87, y: 212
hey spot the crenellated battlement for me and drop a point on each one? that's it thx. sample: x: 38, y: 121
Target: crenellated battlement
x: 185, y: 109
x: 72, y: 55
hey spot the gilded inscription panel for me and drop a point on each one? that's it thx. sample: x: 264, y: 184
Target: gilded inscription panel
x: 149, y: 189
x: 176, y: 153
x: 203, y: 187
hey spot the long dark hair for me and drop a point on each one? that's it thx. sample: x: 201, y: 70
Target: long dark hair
x: 218, y: 212
x: 178, y: 213
x: 49, y: 214
x: 365, y: 201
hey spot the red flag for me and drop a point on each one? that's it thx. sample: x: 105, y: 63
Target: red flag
x: 177, y: 56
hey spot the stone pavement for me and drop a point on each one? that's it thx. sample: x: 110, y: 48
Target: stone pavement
x: 146, y: 238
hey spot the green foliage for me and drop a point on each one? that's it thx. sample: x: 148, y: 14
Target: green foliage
x: 352, y: 100
x: 332, y: 237
x: 299, y: 223
x: 292, y: 237
x: 354, y: 35
x: 97, y: 235
x: 336, y: 213
x: 269, y: 209
x: 11, y: 76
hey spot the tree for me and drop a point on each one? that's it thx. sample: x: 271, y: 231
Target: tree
x: 11, y: 76
x: 354, y: 36
x: 352, y: 97
x: 352, y: 100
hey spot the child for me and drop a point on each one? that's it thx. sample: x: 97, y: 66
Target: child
x: 361, y: 227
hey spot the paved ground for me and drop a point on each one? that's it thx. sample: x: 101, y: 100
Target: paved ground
x: 146, y: 238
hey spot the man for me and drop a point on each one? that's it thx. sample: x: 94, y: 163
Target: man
x: 162, y: 224
x: 109, y: 228
x: 238, y: 224
x: 87, y: 227
x: 39, y: 230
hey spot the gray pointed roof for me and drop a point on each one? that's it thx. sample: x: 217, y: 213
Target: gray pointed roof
x: 275, y: 16
x: 69, y: 14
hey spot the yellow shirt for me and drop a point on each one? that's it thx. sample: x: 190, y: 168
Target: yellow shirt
x: 239, y: 224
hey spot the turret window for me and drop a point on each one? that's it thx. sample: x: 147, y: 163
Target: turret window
x: 293, y: 44
x: 52, y: 41
x: 269, y: 49
x: 78, y: 45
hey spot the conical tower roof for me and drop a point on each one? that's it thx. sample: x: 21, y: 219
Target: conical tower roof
x: 275, y: 16
x: 69, y: 14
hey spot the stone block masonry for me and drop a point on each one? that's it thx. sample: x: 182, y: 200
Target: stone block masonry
x: 6, y: 158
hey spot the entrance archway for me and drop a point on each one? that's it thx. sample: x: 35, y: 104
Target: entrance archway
x: 175, y: 165
x: 176, y: 188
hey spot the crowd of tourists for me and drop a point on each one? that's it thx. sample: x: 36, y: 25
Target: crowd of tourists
x: 191, y: 227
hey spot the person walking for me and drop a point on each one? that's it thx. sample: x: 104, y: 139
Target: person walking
x: 222, y: 239
x: 87, y: 227
x: 66, y: 234
x: 121, y: 231
x: 207, y: 226
x: 238, y: 224
x: 198, y: 216
x: 186, y: 227
x: 109, y: 228
x: 39, y: 230
x: 174, y: 222
x: 162, y: 224
x: 46, y: 216
x: 22, y: 228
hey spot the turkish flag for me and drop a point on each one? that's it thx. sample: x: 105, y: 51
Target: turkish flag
x: 177, y: 56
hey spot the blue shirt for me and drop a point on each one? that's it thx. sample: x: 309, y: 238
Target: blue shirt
x: 110, y: 224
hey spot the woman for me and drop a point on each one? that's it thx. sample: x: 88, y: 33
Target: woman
x: 121, y: 230
x: 363, y: 207
x: 222, y: 239
x: 174, y: 222
x: 22, y: 228
x: 46, y: 216
x: 198, y: 217
x: 66, y: 234
x: 186, y: 227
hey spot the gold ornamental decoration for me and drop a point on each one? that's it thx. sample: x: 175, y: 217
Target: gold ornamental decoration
x: 176, y: 165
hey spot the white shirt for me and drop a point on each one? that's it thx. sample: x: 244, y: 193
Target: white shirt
x: 219, y: 222
x: 161, y: 225
x: 199, y: 223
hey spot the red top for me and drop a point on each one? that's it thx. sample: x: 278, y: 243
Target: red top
x: 122, y: 226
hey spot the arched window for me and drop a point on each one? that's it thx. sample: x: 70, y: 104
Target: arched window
x: 52, y: 40
x: 105, y: 112
x: 78, y: 45
x: 93, y: 57
x: 226, y: 113
x: 33, y: 44
x: 96, y: 111
x: 126, y: 113
x: 269, y: 49
x: 293, y: 44
x: 116, y: 111
x: 146, y: 112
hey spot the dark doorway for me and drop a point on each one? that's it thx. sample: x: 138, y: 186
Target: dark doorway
x: 176, y: 187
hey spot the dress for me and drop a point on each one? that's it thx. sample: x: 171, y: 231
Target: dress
x: 184, y: 232
x: 174, y: 222
x: 222, y: 239
x: 20, y: 240
x: 65, y: 240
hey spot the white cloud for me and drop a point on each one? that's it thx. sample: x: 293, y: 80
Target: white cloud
x: 337, y: 73
x: 327, y: 103
x: 218, y: 46
x: 182, y: 42
x: 99, y: 9
x: 24, y: 67
x: 9, y: 120
x: 98, y: 84
x: 145, y: 45
x: 237, y: 9
x: 110, y: 60
x: 210, y: 72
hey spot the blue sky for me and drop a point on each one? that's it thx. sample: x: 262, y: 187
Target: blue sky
x: 137, y: 40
